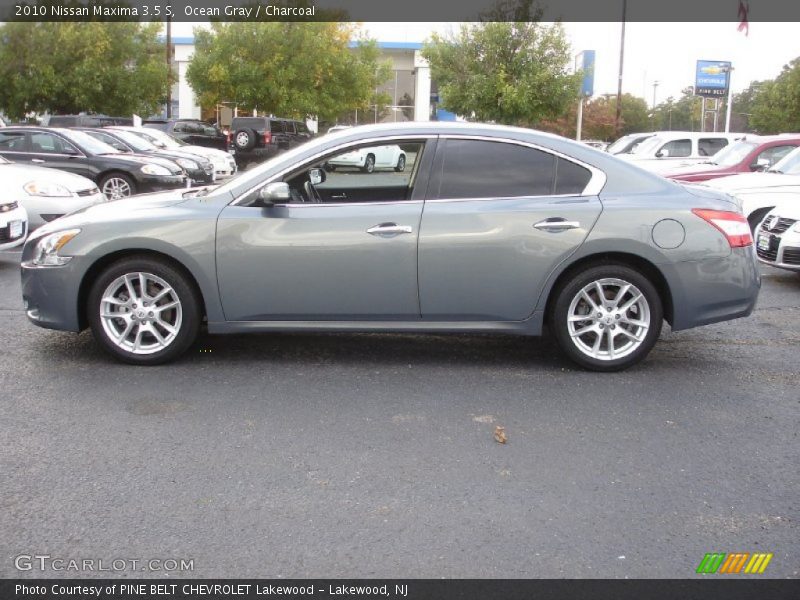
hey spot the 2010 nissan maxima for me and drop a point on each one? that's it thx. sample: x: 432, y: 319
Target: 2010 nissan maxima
x: 487, y: 229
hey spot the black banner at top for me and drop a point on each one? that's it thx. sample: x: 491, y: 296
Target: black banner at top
x: 735, y: 11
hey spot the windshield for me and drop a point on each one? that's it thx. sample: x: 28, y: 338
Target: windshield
x: 648, y: 146
x: 733, y: 154
x: 155, y: 135
x: 87, y: 142
x: 789, y: 164
x: 626, y: 143
x: 134, y: 141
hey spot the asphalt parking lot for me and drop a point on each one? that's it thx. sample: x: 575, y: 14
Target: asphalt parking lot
x: 373, y: 455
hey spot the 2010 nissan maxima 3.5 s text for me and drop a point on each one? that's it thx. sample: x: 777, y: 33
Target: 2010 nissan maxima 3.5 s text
x: 487, y: 229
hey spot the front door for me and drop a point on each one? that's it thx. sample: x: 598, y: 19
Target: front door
x: 343, y: 249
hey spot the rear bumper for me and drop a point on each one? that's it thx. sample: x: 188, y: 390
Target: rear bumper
x: 713, y: 290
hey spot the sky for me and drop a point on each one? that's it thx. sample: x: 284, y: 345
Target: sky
x: 654, y: 52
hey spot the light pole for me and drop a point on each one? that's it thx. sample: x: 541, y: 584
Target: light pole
x: 621, y: 64
x: 655, y: 85
x: 728, y: 101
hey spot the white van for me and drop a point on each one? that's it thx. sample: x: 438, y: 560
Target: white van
x: 670, y: 150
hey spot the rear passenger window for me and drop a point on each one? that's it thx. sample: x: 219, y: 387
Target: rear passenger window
x: 676, y: 148
x: 13, y: 141
x: 710, y: 146
x: 482, y: 169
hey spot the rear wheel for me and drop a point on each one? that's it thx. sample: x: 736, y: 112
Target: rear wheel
x: 143, y: 311
x: 244, y: 139
x: 401, y: 164
x: 369, y: 164
x: 607, y: 317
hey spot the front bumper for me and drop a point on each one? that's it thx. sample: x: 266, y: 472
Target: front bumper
x: 157, y: 183
x: 779, y: 250
x: 50, y: 294
x: 13, y: 227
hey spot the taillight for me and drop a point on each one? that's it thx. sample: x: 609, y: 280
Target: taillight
x: 267, y: 137
x: 732, y: 225
x: 229, y: 139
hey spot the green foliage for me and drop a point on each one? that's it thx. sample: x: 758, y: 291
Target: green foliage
x: 776, y: 105
x: 678, y: 115
x: 113, y: 68
x: 289, y: 69
x: 599, y: 118
x: 743, y: 104
x: 513, y: 72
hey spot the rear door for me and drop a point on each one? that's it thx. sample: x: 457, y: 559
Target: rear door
x: 498, y: 218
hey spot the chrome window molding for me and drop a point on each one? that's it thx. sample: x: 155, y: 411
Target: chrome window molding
x: 593, y: 188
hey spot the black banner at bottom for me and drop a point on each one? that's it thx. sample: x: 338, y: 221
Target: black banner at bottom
x: 729, y: 588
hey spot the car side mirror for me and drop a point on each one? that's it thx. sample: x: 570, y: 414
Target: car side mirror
x: 762, y: 164
x: 662, y: 153
x: 316, y: 176
x: 273, y: 193
x: 69, y: 151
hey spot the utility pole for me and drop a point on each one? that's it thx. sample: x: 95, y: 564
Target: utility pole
x: 728, y: 102
x: 169, y: 67
x: 621, y: 64
x: 655, y: 85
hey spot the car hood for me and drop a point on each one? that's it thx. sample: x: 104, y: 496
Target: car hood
x: 145, y: 159
x: 115, y: 210
x: 787, y: 210
x: 16, y: 175
x: 207, y: 152
x: 754, y: 181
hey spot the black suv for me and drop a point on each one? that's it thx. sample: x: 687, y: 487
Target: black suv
x: 192, y: 131
x: 256, y: 139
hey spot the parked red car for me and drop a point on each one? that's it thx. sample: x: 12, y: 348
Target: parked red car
x: 752, y: 153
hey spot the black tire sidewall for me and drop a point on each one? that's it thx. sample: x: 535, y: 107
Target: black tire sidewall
x: 401, y: 164
x: 190, y: 323
x: 367, y: 168
x: 568, y: 290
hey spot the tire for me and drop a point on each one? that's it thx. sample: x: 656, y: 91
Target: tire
x: 116, y: 186
x: 176, y: 325
x: 244, y: 139
x: 369, y: 164
x: 756, y: 217
x: 633, y: 331
x: 401, y: 164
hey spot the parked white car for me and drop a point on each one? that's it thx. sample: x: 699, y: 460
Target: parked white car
x: 670, y: 150
x: 778, y: 237
x: 224, y: 163
x: 759, y: 193
x: 369, y: 159
x: 45, y: 193
x: 13, y: 224
x: 627, y: 143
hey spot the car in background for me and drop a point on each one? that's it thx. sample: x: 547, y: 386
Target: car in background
x: 223, y: 162
x: 671, y: 150
x: 256, y: 139
x: 759, y: 193
x: 778, y: 237
x: 598, y: 144
x: 13, y: 224
x: 370, y: 159
x: 117, y: 175
x: 750, y: 154
x: 336, y: 128
x: 495, y: 229
x: 2, y: 122
x: 627, y: 143
x: 86, y: 121
x: 192, y: 131
x: 46, y: 194
x: 199, y: 170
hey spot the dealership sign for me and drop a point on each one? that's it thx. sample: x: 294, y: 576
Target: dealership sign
x: 584, y: 62
x: 712, y: 78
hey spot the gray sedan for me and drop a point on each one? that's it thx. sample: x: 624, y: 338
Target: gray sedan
x: 488, y: 229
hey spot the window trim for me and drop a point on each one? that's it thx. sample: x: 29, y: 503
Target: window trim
x: 334, y: 149
x: 593, y: 188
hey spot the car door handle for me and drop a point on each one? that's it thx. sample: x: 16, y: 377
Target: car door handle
x: 37, y: 160
x: 557, y: 224
x: 341, y: 196
x: 389, y: 229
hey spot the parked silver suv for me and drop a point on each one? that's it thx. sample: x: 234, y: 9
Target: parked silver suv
x: 487, y: 229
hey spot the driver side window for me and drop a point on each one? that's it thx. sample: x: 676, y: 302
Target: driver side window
x: 370, y: 173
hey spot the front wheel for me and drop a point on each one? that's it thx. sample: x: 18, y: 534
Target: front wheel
x: 116, y: 186
x: 607, y: 317
x: 369, y: 164
x: 401, y: 164
x: 143, y: 311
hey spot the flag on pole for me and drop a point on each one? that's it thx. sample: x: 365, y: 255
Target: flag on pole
x: 744, y: 9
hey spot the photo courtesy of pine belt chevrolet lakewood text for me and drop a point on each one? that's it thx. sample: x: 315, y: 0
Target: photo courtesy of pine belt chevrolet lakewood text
x: 484, y: 229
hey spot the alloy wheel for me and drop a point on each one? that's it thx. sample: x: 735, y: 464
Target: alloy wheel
x: 116, y: 188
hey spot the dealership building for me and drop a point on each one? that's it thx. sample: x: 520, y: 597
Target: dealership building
x: 409, y: 87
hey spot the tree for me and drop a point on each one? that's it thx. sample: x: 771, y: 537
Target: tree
x: 776, y: 105
x: 512, y: 72
x: 599, y: 116
x: 742, y: 108
x: 290, y: 69
x: 113, y: 68
x: 678, y: 115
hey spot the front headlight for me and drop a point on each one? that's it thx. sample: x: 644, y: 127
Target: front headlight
x: 151, y: 169
x: 46, y: 253
x: 45, y: 188
x: 187, y: 164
